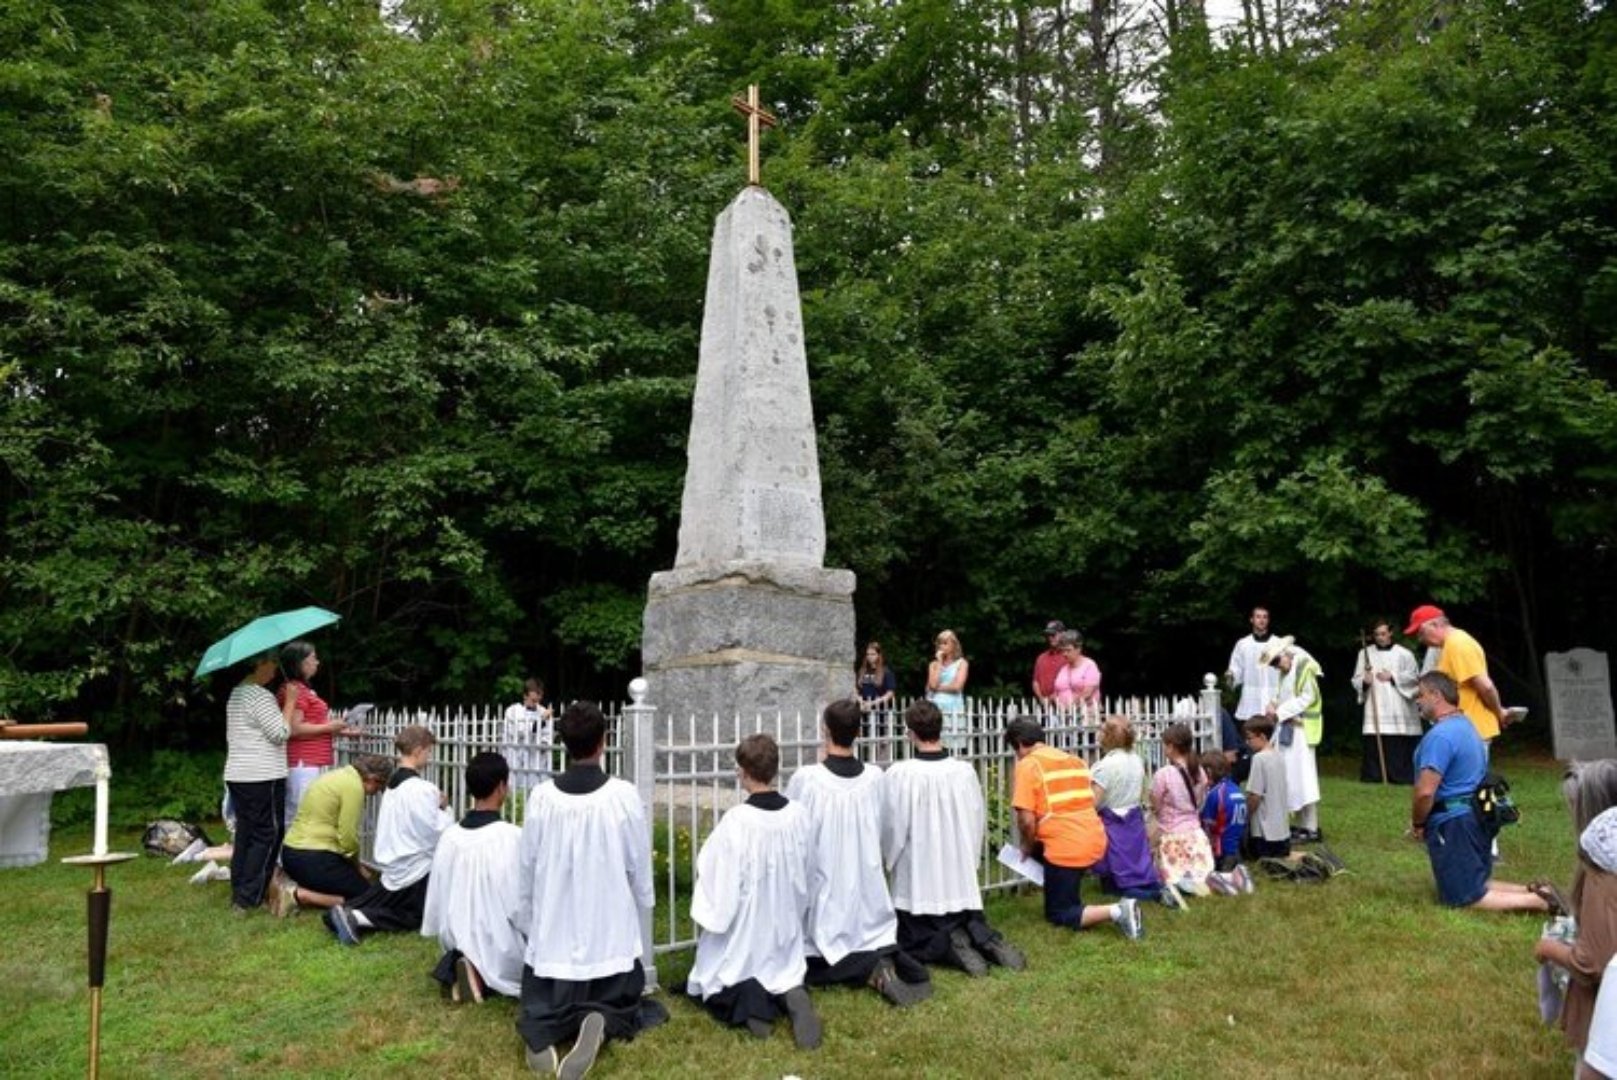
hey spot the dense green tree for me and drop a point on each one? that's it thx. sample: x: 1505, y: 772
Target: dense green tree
x: 1129, y: 324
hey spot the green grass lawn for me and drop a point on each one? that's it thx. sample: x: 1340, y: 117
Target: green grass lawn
x: 1363, y: 975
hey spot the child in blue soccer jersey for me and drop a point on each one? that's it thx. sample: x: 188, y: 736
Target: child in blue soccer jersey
x: 1223, y: 815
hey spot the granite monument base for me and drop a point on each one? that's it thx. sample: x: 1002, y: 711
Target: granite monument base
x: 749, y: 639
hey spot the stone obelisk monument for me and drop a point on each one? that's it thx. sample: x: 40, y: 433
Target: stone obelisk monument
x: 749, y: 620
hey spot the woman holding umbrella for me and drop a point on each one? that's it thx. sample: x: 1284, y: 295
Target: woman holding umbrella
x: 309, y: 750
x: 256, y: 729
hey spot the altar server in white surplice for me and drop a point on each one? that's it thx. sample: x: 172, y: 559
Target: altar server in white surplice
x: 474, y: 890
x: 751, y: 901
x: 585, y: 878
x: 1384, y: 677
x: 413, y: 816
x: 932, y: 837
x: 852, y: 931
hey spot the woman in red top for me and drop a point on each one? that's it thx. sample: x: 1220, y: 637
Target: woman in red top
x: 308, y: 750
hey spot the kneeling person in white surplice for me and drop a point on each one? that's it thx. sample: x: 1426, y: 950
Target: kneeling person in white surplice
x: 751, y: 900
x: 585, y: 878
x: 412, y: 817
x: 932, y: 840
x: 852, y: 930
x: 474, y: 890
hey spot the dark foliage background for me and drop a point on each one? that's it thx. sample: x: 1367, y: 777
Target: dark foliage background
x: 1125, y: 320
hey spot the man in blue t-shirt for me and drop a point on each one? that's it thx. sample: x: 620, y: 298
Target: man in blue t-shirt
x: 1450, y: 763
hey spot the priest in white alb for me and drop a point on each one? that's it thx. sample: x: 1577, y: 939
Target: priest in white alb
x: 474, y: 891
x: 852, y: 931
x: 1384, y: 677
x: 585, y: 878
x: 750, y: 903
x: 932, y: 838
x: 414, y: 815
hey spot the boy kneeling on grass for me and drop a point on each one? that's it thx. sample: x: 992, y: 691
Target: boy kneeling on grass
x: 585, y: 878
x: 1268, y: 838
x: 474, y: 892
x: 752, y: 902
x: 414, y: 814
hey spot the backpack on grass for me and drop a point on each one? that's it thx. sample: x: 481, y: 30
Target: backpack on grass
x: 168, y: 837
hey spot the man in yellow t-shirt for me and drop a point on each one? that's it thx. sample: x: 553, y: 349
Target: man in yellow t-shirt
x: 1463, y: 661
x: 1055, y: 816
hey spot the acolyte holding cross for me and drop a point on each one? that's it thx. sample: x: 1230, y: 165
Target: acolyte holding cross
x: 757, y: 119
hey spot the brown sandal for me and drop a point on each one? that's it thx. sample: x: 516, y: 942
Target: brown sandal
x: 1545, y: 890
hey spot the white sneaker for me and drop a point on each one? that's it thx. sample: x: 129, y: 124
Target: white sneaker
x: 1128, y: 919
x: 211, y: 872
x: 192, y: 853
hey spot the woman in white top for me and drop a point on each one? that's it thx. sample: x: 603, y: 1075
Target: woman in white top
x: 256, y: 730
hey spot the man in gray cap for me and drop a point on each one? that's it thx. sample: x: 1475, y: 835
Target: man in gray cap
x: 1049, y: 663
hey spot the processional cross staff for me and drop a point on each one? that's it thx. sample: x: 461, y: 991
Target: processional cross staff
x: 758, y: 118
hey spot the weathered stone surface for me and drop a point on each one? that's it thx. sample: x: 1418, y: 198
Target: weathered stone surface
x: 748, y: 687
x: 749, y: 621
x: 752, y: 485
x: 698, y: 620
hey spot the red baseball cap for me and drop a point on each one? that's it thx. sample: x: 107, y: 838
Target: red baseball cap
x: 1421, y: 616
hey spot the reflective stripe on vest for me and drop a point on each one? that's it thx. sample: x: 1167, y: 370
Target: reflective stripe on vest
x: 1066, y: 782
x: 1313, y: 717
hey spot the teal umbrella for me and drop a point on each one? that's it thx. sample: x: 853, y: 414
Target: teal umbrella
x: 261, y: 635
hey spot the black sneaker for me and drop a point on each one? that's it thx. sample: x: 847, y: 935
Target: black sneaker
x: 759, y: 1029
x: 806, y: 1029
x: 965, y: 956
x: 591, y: 1034
x: 1005, y: 954
x: 1307, y: 836
x: 885, y: 981
x: 345, y: 925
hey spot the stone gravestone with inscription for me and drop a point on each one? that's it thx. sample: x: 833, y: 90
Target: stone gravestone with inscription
x: 749, y: 620
x: 1581, y: 716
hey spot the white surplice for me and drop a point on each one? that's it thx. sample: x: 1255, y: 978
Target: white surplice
x: 472, y: 900
x: 751, y: 900
x: 1302, y: 771
x: 932, y: 835
x: 1394, y: 701
x: 585, y: 878
x: 407, y: 830
x: 1257, y: 681
x: 850, y: 908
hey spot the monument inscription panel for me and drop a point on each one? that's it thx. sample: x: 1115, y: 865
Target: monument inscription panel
x: 1581, y: 716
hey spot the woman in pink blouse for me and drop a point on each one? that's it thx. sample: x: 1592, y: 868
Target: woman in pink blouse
x: 1078, y: 681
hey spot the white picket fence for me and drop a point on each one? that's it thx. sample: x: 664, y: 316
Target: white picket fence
x: 684, y: 769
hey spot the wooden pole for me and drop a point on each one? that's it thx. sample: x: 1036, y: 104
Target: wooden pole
x: 12, y: 730
x: 1375, y: 706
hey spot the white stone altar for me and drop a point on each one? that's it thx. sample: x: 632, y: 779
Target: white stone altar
x: 30, y: 773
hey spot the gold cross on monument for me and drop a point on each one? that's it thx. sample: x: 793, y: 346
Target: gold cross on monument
x: 757, y: 119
